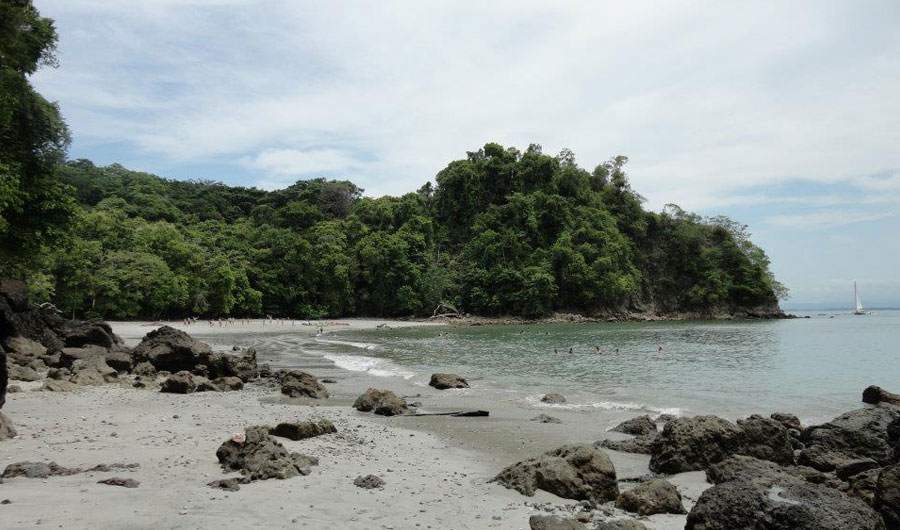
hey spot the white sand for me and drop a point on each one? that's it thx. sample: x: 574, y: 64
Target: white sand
x: 436, y: 472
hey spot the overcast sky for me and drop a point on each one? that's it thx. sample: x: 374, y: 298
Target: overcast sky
x: 783, y: 115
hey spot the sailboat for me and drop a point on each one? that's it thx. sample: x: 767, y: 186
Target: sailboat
x: 859, y: 308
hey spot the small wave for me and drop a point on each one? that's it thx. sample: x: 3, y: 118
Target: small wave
x: 369, y: 365
x: 603, y: 405
x: 360, y: 345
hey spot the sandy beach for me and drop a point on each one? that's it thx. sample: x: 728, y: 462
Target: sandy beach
x: 436, y: 468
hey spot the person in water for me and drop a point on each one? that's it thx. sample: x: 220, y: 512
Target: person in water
x: 617, y: 351
x: 570, y: 351
x: 556, y: 351
x: 659, y: 349
x: 598, y: 352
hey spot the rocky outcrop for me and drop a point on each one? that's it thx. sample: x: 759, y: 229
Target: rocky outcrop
x: 581, y: 472
x: 875, y: 395
x: 766, y: 439
x: 303, y: 429
x: 22, y: 373
x: 445, y: 381
x: 887, y: 496
x: 258, y: 456
x: 229, y: 383
x: 640, y: 426
x: 381, y: 402
x: 553, y: 398
x: 173, y: 350
x: 859, y: 434
x: 301, y: 384
x: 692, y: 444
x: 185, y: 382
x: 621, y: 524
x: 788, y: 420
x: 642, y: 445
x: 38, y: 470
x: 243, y: 366
x: 553, y: 522
x: 651, y: 497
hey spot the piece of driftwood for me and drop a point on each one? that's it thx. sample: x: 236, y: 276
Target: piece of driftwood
x: 457, y: 414
x: 448, y: 311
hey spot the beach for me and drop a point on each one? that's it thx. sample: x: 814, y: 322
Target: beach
x: 436, y: 468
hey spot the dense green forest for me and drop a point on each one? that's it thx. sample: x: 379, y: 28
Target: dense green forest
x: 503, y: 232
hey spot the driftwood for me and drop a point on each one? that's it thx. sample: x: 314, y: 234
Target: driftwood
x: 449, y: 311
x: 457, y: 414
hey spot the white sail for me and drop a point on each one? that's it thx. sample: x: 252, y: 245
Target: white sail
x: 859, y: 307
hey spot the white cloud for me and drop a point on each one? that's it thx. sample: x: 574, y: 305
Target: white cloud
x: 826, y: 219
x: 284, y: 166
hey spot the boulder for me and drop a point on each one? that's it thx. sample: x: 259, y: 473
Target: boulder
x: 740, y: 467
x: 258, y: 456
x: 780, y: 504
x: 144, y: 369
x: 692, y: 444
x: 92, y: 372
x: 887, y: 496
x: 581, y: 472
x: 544, y: 418
x: 22, y: 373
x: 303, y: 429
x: 382, y: 402
x: 642, y: 445
x: 640, y: 426
x: 848, y: 468
x: 53, y: 385
x: 621, y: 524
x: 790, y: 421
x: 77, y: 334
x: 864, y: 486
x: 4, y: 377
x: 24, y: 348
x: 205, y: 385
x: 651, y: 497
x: 445, y: 381
x: 227, y: 484
x: 115, y: 358
x: 7, y: 430
x: 180, y: 383
x: 857, y: 434
x: 553, y: 522
x: 553, y: 398
x: 875, y: 395
x: 368, y: 482
x: 229, y: 383
x: 173, y: 350
x: 302, y: 384
x: 241, y: 366
x: 37, y: 470
x: 59, y: 373
x: 766, y: 439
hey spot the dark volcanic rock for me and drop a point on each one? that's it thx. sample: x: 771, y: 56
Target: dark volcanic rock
x: 144, y: 369
x: 739, y: 467
x: 119, y: 481
x: 581, y: 472
x: 864, y: 486
x: 22, y: 373
x: 875, y: 395
x: 640, y: 426
x: 173, y: 350
x: 766, y: 439
x: 553, y: 398
x: 368, y: 482
x: 77, y: 334
x: 789, y: 421
x: 93, y: 371
x: 642, y: 445
x: 227, y: 484
x: 53, y: 385
x: 784, y: 504
x: 692, y: 444
x: 229, y: 383
x: 37, y: 470
x: 302, y: 384
x: 241, y: 366
x: 544, y: 418
x: 861, y: 433
x: 887, y: 496
x: 621, y: 524
x: 383, y: 402
x: 553, y: 522
x: 651, y: 497
x: 445, y: 381
x: 180, y: 383
x: 302, y: 430
x: 7, y: 430
x: 259, y: 456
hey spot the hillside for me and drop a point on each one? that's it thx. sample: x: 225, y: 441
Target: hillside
x: 503, y: 232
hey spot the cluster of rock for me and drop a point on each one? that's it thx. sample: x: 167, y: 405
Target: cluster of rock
x: 770, y: 472
x: 381, y: 402
x: 259, y: 456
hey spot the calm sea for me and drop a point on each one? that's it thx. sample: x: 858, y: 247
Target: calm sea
x: 815, y: 367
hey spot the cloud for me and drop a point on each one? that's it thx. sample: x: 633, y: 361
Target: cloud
x: 284, y: 166
x: 826, y: 219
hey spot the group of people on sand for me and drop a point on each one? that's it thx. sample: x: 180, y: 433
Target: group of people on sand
x: 598, y: 351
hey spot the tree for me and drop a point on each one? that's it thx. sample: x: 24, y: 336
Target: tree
x: 35, y: 208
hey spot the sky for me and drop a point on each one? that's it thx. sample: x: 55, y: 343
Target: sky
x: 784, y: 116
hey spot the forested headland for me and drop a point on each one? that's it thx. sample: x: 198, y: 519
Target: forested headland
x: 502, y: 232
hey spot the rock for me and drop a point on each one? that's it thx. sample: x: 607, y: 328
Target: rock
x: 144, y: 369
x: 368, y: 482
x: 78, y: 334
x: 692, y: 444
x: 7, y: 430
x: 205, y: 385
x: 640, y: 426
x: 93, y: 371
x: 180, y: 383
x: 642, y: 445
x: 785, y: 504
x: 789, y: 421
x: 259, y: 456
x: 848, y: 468
x: 229, y: 383
x: 24, y: 347
x: 581, y: 472
x: 861, y: 433
x: 383, y: 402
x: 119, y: 481
x: 14, y: 389
x: 875, y: 395
x: 37, y: 470
x: 147, y: 383
x: 445, y: 381
x: 887, y: 496
x: 553, y: 522
x: 4, y: 378
x: 302, y: 384
x: 553, y: 398
x: 544, y: 418
x: 118, y: 360
x: 739, y: 467
x: 302, y: 430
x: 22, y: 373
x: 53, y: 385
x: 864, y: 486
x: 665, y: 418
x: 241, y: 366
x: 621, y: 524
x: 227, y: 484
x: 651, y: 497
x: 766, y: 439
x: 172, y: 350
